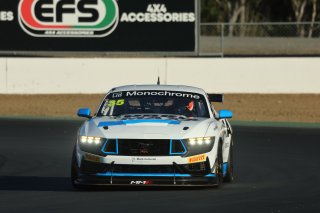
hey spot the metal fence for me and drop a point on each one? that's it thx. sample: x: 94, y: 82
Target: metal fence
x: 220, y: 39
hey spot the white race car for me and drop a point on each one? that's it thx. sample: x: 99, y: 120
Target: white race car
x: 154, y: 135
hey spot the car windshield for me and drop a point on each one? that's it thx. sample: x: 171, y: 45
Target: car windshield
x: 154, y: 102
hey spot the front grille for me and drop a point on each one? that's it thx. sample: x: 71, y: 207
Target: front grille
x: 144, y: 147
x: 143, y: 169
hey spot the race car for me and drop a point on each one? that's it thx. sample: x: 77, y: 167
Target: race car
x: 156, y: 135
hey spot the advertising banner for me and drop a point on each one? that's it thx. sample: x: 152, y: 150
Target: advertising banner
x: 110, y: 26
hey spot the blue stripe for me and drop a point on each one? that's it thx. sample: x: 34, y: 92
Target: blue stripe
x: 125, y: 122
x: 109, y: 174
x: 143, y: 174
x: 151, y: 121
x: 224, y: 169
x: 178, y: 153
x: 110, y: 123
x: 112, y: 153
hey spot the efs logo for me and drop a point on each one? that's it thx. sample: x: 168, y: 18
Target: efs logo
x: 68, y: 18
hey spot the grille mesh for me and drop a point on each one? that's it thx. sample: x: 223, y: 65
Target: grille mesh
x: 143, y: 147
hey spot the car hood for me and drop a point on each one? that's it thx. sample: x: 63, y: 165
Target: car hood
x: 146, y: 127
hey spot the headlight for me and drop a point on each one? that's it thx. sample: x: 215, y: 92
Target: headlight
x: 200, y: 145
x: 90, y: 140
x: 201, y: 141
x: 91, y: 144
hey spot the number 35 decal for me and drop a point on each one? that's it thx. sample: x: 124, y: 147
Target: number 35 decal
x: 112, y: 103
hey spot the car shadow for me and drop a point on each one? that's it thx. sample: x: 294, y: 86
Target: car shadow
x: 35, y: 183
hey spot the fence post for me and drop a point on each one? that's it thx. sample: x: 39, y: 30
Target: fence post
x: 198, y: 27
x: 222, y: 40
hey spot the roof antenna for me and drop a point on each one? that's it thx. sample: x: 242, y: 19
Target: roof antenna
x: 158, y: 83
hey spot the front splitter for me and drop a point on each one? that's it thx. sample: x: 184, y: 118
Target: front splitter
x: 147, y: 179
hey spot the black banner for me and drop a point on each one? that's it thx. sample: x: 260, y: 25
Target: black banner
x: 98, y: 25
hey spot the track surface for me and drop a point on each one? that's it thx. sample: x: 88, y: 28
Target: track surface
x: 277, y: 170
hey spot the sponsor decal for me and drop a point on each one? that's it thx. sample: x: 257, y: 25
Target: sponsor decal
x: 112, y: 103
x: 197, y: 158
x: 86, y: 18
x: 145, y: 159
x: 92, y: 158
x: 157, y: 13
x: 68, y: 18
x: 117, y: 95
x: 162, y: 93
x: 6, y: 16
x: 140, y: 182
x: 134, y: 159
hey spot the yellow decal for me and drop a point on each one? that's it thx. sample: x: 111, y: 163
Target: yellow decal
x: 112, y: 103
x: 93, y: 158
x: 197, y: 158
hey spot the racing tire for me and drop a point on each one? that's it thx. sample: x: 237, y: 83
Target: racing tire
x: 219, y: 164
x: 229, y: 177
x: 75, y: 171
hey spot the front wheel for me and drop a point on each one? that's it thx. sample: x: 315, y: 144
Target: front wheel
x: 229, y: 173
x: 219, y: 163
x: 74, y: 171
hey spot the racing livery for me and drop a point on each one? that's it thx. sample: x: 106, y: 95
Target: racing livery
x: 154, y: 135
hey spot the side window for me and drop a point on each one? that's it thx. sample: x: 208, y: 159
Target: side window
x: 201, y: 108
x: 214, y: 112
x: 104, y: 109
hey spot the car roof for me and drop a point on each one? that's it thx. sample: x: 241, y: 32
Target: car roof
x: 180, y: 88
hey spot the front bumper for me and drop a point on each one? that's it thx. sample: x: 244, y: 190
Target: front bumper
x: 91, y: 173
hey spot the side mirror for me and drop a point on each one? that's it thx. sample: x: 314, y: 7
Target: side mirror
x: 84, y: 112
x: 225, y: 114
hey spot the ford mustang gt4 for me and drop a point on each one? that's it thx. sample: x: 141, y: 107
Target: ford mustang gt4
x: 154, y: 135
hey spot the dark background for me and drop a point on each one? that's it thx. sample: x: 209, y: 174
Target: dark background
x: 127, y: 37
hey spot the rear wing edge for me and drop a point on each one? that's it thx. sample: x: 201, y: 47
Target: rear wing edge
x: 216, y: 97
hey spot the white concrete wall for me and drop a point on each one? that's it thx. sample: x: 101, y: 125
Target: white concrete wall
x: 229, y: 75
x: 37, y: 75
x: 249, y: 75
x: 3, y: 75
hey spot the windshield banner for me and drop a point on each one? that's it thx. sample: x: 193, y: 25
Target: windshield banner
x: 110, y: 26
x: 163, y: 93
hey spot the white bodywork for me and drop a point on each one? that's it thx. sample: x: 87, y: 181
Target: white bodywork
x: 202, y: 127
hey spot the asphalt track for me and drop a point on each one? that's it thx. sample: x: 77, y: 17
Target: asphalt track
x: 277, y: 170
